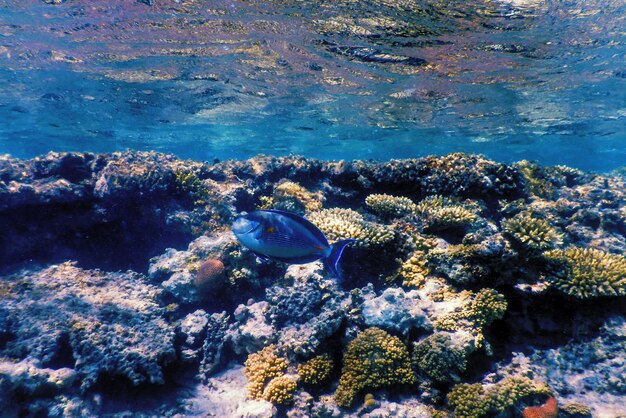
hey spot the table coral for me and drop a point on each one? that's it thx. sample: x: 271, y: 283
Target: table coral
x: 372, y: 360
x: 586, y: 272
x: 262, y: 367
x: 390, y: 206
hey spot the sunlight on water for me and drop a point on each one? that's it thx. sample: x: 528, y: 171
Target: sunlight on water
x: 512, y: 79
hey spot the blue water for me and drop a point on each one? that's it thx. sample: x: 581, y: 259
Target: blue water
x: 539, y: 80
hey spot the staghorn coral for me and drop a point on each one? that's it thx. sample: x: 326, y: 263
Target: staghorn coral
x: 531, y: 232
x: 372, y: 360
x: 550, y: 409
x: 436, y: 357
x: 586, y: 272
x: 260, y: 368
x: 390, y: 206
x: 317, y: 370
x: 476, y: 400
x: 280, y: 390
x: 338, y: 223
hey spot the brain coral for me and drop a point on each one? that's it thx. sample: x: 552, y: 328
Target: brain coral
x: 587, y: 272
x: 372, y: 360
x: 532, y: 232
x: 338, y: 223
x: 262, y: 367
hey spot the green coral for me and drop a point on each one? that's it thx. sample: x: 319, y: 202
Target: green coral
x: 586, y: 272
x: 436, y: 357
x: 482, y: 309
x: 476, y: 401
x: 390, y: 206
x: 532, y: 232
x: 338, y: 224
x: 188, y: 183
x: 576, y: 410
x: 280, y: 390
x: 372, y: 360
x: 262, y: 367
x: 317, y: 370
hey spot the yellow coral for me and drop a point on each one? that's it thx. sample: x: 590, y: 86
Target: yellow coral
x: 338, y: 224
x: 441, y: 212
x: 414, y: 271
x: 474, y: 401
x: 280, y: 390
x: 317, y: 370
x: 532, y: 232
x: 260, y: 368
x: 392, y: 206
x: 372, y: 360
x: 288, y: 189
x: 587, y: 272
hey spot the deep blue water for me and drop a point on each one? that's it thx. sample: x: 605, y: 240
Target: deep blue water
x: 539, y: 80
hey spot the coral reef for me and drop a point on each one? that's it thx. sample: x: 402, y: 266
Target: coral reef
x: 550, y: 409
x: 317, y: 370
x: 372, y: 360
x: 262, y: 367
x: 340, y: 224
x: 531, y: 232
x: 437, y: 358
x: 390, y: 206
x: 587, y: 272
x: 499, y: 267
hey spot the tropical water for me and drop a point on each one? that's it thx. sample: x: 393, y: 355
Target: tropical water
x: 451, y: 245
x: 512, y: 79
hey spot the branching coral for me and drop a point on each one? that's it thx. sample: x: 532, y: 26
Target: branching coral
x: 280, y: 390
x: 372, y: 360
x: 293, y: 197
x: 441, y: 212
x: 531, y: 232
x: 476, y: 401
x: 437, y: 358
x: 260, y: 368
x: 586, y: 272
x: 390, y: 206
x: 482, y: 309
x: 340, y: 224
x: 317, y: 370
x: 188, y: 183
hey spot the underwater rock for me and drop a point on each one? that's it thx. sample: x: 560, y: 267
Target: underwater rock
x: 213, y: 346
x: 250, y: 332
x: 193, y: 329
x: 395, y: 310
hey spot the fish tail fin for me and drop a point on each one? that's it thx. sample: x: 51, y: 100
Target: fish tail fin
x: 332, y: 261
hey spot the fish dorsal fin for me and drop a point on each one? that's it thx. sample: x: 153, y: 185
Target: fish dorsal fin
x: 302, y: 221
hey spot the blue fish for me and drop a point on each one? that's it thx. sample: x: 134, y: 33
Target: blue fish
x: 286, y: 237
